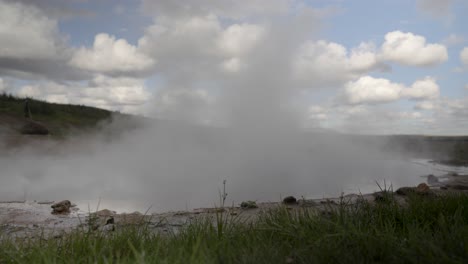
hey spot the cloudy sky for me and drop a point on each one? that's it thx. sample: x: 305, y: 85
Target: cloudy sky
x: 354, y: 66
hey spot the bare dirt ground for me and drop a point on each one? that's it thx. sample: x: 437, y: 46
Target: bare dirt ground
x: 33, y: 219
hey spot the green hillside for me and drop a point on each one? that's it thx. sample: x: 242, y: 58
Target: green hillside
x: 64, y: 120
x: 60, y: 119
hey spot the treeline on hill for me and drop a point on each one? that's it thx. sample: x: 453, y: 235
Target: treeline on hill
x: 452, y: 150
x: 59, y: 118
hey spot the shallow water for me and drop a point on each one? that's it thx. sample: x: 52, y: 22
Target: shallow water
x: 163, y: 175
x: 403, y: 173
x: 393, y: 174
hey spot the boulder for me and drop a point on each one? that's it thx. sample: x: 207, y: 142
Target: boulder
x: 248, y: 205
x: 290, y: 200
x: 34, y: 128
x: 422, y: 188
x: 104, y: 213
x: 62, y: 207
x: 110, y: 220
x: 383, y: 196
x: 405, y: 190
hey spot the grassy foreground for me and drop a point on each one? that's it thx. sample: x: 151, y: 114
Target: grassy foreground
x: 427, y: 230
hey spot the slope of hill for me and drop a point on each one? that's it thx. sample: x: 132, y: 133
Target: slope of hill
x: 64, y: 121
x: 60, y: 119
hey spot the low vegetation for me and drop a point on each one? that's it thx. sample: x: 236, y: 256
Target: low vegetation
x: 59, y: 118
x: 425, y: 230
x: 449, y: 150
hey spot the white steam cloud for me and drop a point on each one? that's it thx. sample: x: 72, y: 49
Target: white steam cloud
x: 257, y: 145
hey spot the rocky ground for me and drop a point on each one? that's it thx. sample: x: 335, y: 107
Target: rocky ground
x: 48, y: 219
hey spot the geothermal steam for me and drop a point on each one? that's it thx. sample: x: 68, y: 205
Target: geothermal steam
x: 258, y: 148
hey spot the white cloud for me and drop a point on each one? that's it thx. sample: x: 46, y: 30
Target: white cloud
x: 367, y: 119
x: 185, y: 49
x: 363, y: 58
x: 372, y: 90
x: 199, y: 47
x: 235, y: 42
x: 412, y: 50
x: 192, y: 105
x: 355, y: 110
x: 27, y: 33
x: 451, y: 115
x: 239, y: 39
x: 447, y: 115
x: 191, y: 36
x: 425, y: 89
x: 317, y: 113
x: 31, y: 45
x: 458, y: 107
x: 406, y: 115
x: 464, y: 56
x: 378, y: 90
x: 466, y: 86
x: 330, y: 64
x: 49, y: 91
x: 425, y: 105
x: 120, y: 94
x: 109, y: 54
x: 232, y: 65
x: 117, y: 91
x: 327, y: 63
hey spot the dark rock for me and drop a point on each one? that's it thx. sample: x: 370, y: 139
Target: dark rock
x: 104, y: 213
x: 110, y: 220
x: 406, y: 190
x: 248, y: 205
x: 62, y: 207
x: 34, y: 128
x: 383, y: 196
x: 422, y: 188
x: 378, y: 197
x: 290, y: 200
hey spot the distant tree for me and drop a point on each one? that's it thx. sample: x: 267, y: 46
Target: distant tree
x: 27, y: 110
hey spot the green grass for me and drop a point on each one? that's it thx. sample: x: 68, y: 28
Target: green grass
x: 426, y: 230
x: 59, y: 118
